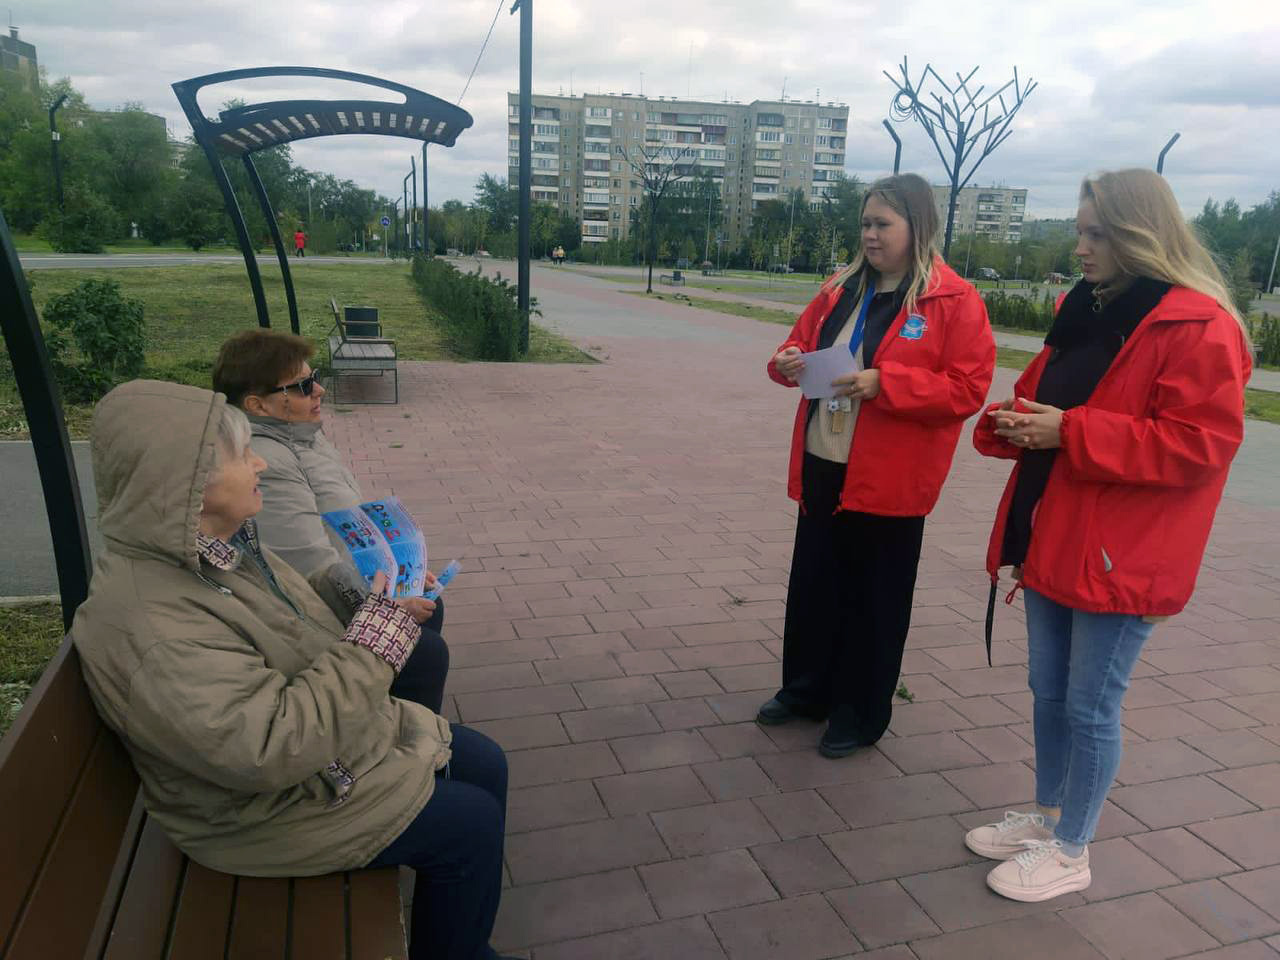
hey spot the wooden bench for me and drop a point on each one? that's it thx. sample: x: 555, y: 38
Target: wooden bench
x: 351, y: 353
x: 673, y: 279
x: 85, y: 873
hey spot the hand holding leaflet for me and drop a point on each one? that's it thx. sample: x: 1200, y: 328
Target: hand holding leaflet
x: 442, y: 581
x: 823, y: 366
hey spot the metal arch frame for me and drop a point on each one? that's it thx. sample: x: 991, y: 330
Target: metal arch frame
x: 48, y: 429
x: 230, y: 135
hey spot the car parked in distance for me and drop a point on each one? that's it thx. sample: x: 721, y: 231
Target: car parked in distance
x: 988, y: 273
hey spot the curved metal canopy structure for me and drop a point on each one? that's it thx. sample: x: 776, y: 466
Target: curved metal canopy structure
x: 239, y: 132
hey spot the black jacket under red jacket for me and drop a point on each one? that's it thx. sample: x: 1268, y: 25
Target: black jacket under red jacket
x: 933, y: 376
x: 1124, y: 520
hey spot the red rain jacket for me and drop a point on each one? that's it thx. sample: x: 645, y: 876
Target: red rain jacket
x: 933, y: 376
x: 1126, y: 514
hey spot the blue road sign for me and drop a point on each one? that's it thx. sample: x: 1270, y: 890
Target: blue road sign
x: 386, y: 221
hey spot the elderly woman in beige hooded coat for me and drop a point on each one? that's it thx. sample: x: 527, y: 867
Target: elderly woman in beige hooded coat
x: 259, y: 718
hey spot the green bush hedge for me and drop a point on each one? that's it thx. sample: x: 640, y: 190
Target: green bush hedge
x: 1265, y: 333
x: 481, y: 316
x: 96, y: 338
x: 1025, y: 313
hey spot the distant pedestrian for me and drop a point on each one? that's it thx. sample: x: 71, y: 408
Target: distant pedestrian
x: 299, y: 244
x: 868, y: 464
x: 557, y: 255
x: 1123, y: 429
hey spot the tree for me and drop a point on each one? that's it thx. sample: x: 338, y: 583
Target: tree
x: 658, y: 168
x: 498, y: 201
x: 1242, y: 291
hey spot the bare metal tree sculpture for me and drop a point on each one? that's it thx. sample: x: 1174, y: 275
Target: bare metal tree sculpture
x: 966, y: 119
x: 658, y: 167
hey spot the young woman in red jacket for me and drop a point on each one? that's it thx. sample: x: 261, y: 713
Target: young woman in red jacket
x: 867, y: 464
x: 1123, y: 429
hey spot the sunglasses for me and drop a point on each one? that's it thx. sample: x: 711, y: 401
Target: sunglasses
x: 304, y: 386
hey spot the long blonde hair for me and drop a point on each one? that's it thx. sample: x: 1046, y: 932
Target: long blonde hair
x: 910, y: 197
x: 1149, y: 237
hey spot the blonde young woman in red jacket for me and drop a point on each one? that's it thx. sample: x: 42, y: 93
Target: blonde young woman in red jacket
x: 868, y: 464
x: 1123, y: 429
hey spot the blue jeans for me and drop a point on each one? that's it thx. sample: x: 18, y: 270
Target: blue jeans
x: 423, y: 675
x: 455, y: 847
x: 1079, y: 668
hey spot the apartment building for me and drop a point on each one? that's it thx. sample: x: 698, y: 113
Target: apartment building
x: 583, y: 147
x: 19, y: 57
x: 994, y: 212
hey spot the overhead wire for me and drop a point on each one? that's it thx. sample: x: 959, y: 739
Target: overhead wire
x: 482, y: 48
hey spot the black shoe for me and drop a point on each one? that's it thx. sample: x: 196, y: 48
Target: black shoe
x: 835, y: 744
x: 775, y: 712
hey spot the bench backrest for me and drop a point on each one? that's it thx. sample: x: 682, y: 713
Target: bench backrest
x: 70, y: 810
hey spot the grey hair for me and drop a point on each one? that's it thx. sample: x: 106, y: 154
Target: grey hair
x: 233, y: 435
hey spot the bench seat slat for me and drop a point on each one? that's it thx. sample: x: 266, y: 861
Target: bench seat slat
x: 260, y: 922
x: 203, y: 915
x: 377, y: 916
x: 150, y: 893
x: 319, y: 906
x: 59, y: 917
x: 41, y: 758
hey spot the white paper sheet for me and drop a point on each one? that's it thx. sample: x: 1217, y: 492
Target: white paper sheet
x: 823, y: 366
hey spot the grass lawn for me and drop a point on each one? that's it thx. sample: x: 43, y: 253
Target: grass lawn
x: 29, y: 637
x: 190, y: 310
x: 767, y: 314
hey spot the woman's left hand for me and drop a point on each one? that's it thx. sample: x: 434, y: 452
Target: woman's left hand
x: 1030, y: 425
x: 864, y: 385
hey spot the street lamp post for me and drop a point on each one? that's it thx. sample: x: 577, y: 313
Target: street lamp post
x: 791, y: 230
x: 55, y: 137
x: 1272, y: 278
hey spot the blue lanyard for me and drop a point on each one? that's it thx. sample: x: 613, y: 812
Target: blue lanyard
x: 860, y: 328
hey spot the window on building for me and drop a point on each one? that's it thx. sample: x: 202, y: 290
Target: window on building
x: 768, y: 136
x: 824, y: 123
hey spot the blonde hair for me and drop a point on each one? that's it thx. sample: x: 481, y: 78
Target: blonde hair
x: 910, y: 197
x: 1149, y: 237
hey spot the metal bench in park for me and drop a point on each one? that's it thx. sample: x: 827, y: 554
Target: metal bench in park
x: 357, y: 348
x: 673, y: 279
x: 88, y: 874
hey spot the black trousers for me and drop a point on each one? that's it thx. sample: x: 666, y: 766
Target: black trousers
x: 853, y: 576
x: 455, y: 848
x: 423, y: 676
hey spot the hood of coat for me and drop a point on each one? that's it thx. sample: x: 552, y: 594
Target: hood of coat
x: 286, y: 431
x: 153, y: 450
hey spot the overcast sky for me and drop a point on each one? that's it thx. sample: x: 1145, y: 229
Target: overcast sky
x: 1116, y: 77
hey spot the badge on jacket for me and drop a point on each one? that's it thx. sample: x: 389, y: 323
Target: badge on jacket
x: 914, y: 327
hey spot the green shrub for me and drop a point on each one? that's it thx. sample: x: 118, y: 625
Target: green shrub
x: 1024, y: 313
x: 109, y: 337
x: 481, y: 316
x: 1265, y: 334
x: 84, y: 226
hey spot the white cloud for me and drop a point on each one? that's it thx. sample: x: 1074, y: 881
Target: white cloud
x: 1115, y: 81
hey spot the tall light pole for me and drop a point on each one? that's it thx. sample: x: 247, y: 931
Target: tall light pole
x: 426, y: 239
x: 55, y: 137
x: 1167, y: 147
x: 526, y: 149
x: 791, y: 229
x: 1272, y: 278
x: 413, y: 218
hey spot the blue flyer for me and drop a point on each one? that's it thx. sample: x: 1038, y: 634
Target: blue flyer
x: 380, y: 535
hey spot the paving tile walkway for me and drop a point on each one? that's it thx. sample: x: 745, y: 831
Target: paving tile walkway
x: 625, y: 537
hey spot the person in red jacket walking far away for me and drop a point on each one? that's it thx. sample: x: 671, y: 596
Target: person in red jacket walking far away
x: 299, y: 243
x: 1123, y: 428
x: 868, y: 464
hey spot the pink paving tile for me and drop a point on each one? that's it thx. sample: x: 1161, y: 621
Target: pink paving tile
x: 801, y: 813
x: 1222, y: 912
x: 802, y: 769
x: 583, y: 848
x: 800, y: 866
x: 713, y: 827
x: 652, y: 790
x: 604, y: 723
x: 697, y: 885
x: 1261, y: 887
x: 890, y: 800
x: 553, y: 805
x: 1170, y: 803
x: 1251, y: 839
x: 578, y: 761
x: 738, y: 740
x: 734, y: 779
x: 688, y: 939
x: 899, y: 849
x: 651, y: 751
x: 1141, y: 927
x: 803, y: 928
x: 1120, y: 868
x: 590, y: 666
x: 1184, y: 853
x: 882, y: 913
x: 560, y: 909
x: 1054, y: 940
x: 599, y: 693
x: 958, y: 898
x: 521, y: 733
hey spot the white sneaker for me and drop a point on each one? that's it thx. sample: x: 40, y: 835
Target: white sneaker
x: 1041, y: 872
x: 1007, y: 839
